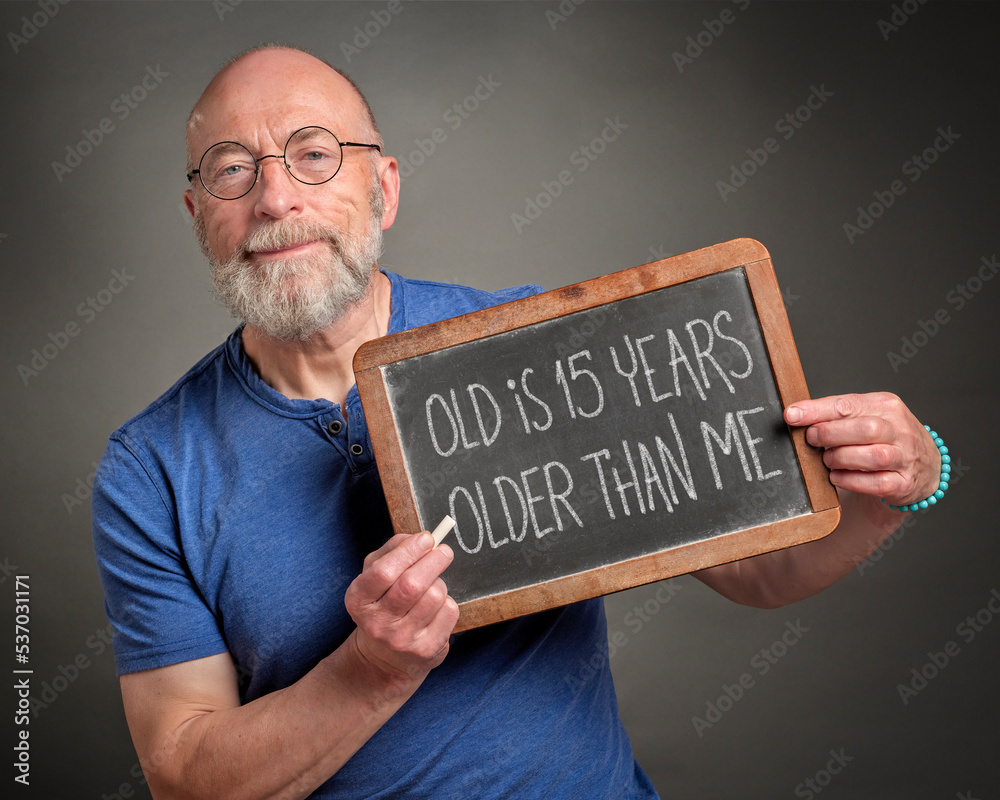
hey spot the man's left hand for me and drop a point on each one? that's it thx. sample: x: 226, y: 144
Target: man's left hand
x: 874, y: 445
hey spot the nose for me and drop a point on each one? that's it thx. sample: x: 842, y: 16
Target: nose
x: 279, y: 193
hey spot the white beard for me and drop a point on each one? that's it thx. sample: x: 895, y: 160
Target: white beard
x: 297, y: 297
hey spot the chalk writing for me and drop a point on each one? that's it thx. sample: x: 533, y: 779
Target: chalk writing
x: 648, y: 434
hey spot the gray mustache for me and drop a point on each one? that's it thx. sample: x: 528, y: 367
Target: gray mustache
x: 274, y: 236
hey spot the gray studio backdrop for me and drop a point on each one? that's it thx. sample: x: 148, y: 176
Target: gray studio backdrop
x: 876, y: 198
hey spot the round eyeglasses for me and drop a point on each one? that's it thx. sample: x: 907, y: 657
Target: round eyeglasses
x: 312, y: 155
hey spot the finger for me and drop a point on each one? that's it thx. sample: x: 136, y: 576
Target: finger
x: 840, y: 406
x: 422, y: 633
x: 877, y: 484
x: 392, y: 544
x: 445, y: 620
x: 429, y: 644
x: 438, y: 629
x: 413, y: 583
x: 868, y: 458
x: 383, y: 572
x: 427, y: 606
x: 407, y: 634
x: 853, y: 431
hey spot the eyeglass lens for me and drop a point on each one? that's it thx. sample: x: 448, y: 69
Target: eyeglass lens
x: 228, y: 170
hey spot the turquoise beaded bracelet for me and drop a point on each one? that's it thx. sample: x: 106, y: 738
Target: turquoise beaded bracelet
x: 942, y: 486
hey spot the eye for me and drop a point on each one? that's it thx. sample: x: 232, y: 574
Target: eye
x: 230, y: 171
x: 312, y: 156
x: 227, y: 167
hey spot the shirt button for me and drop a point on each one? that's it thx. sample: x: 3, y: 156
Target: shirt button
x: 335, y: 427
x: 357, y: 449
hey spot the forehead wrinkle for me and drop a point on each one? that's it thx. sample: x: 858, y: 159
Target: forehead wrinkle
x: 297, y: 84
x: 311, y: 133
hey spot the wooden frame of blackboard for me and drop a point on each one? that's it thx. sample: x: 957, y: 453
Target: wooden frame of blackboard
x: 747, y: 254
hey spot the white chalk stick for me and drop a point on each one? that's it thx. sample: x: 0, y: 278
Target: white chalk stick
x: 442, y: 529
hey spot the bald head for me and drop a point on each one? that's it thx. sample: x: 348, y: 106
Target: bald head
x: 260, y: 100
x: 266, y: 78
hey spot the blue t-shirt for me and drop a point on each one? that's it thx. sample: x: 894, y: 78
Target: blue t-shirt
x: 228, y: 517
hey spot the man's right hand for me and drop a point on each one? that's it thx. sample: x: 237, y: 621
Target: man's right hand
x: 195, y: 739
x: 402, y: 608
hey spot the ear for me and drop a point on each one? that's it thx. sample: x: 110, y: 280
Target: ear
x: 389, y: 171
x: 189, y: 201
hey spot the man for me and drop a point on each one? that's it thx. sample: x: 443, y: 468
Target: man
x: 262, y: 653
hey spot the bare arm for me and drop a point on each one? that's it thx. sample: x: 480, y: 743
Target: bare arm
x: 195, y: 740
x: 875, y: 448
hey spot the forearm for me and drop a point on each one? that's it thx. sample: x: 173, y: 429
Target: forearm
x: 283, y: 745
x: 786, y: 576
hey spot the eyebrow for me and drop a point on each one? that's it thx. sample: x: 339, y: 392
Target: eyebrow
x: 228, y: 147
x: 312, y: 132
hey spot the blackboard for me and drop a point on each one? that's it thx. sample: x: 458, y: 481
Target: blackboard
x: 600, y: 436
